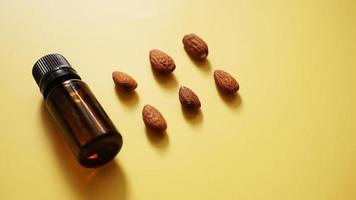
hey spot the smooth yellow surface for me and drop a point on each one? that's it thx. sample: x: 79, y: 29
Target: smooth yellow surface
x: 290, y: 134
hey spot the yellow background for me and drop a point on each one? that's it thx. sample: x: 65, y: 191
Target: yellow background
x: 289, y: 134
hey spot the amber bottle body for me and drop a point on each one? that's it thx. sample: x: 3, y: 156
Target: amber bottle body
x: 89, y: 131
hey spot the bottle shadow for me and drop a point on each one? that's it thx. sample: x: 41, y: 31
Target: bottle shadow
x: 127, y: 98
x: 166, y: 81
x: 232, y: 100
x: 193, y: 117
x: 157, y: 139
x: 103, y: 183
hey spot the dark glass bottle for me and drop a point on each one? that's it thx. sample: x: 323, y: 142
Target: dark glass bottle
x: 88, y: 130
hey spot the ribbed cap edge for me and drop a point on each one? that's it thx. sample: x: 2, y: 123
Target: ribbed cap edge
x: 47, y: 64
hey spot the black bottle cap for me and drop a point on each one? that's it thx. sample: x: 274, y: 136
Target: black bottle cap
x: 51, y: 69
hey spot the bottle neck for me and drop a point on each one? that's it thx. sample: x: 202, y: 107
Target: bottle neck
x: 57, y: 77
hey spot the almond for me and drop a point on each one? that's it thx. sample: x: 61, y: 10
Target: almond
x: 226, y: 82
x: 161, y: 62
x: 153, y: 119
x: 188, y: 98
x: 195, y: 46
x: 124, y: 81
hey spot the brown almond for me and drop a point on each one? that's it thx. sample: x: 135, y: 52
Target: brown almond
x: 188, y: 98
x: 124, y: 81
x: 161, y: 62
x: 153, y: 119
x: 226, y: 82
x: 195, y: 46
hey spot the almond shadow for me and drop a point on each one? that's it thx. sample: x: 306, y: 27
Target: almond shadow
x: 232, y: 100
x: 127, y: 98
x: 203, y: 65
x: 159, y: 140
x: 167, y: 81
x: 192, y: 116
